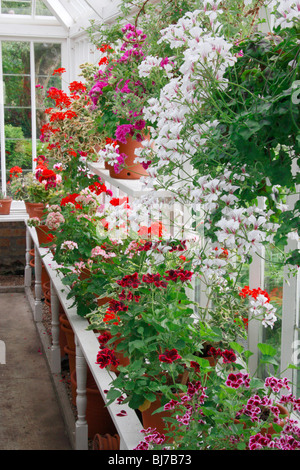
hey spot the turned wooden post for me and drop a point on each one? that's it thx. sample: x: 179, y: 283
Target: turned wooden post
x: 28, y: 270
x: 38, y: 307
x: 81, y: 431
x: 55, y: 349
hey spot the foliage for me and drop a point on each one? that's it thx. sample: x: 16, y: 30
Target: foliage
x: 229, y: 410
x: 70, y: 116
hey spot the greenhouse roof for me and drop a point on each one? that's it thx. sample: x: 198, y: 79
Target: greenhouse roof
x: 70, y: 15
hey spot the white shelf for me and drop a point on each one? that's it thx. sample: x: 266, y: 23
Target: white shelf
x: 132, y: 188
x: 17, y: 213
x: 128, y: 427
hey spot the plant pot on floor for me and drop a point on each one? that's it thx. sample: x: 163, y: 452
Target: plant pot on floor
x: 5, y: 206
x: 106, y: 442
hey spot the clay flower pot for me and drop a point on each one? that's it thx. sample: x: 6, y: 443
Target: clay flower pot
x: 31, y: 206
x: 5, y: 205
x: 42, y: 234
x: 106, y: 442
x: 133, y: 171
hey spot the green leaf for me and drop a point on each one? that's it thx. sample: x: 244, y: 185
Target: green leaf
x: 267, y: 349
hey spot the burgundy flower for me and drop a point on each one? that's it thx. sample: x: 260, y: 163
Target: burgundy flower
x: 130, y: 281
x: 154, y: 279
x: 106, y: 357
x: 175, y: 274
x: 169, y: 356
x: 104, y: 337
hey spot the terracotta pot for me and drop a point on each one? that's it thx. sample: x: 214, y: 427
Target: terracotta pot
x: 102, y: 301
x: 97, y: 414
x: 42, y: 234
x: 31, y: 206
x: 68, y: 333
x: 123, y: 360
x: 85, y: 273
x: 5, y: 205
x: 133, y: 171
x: 39, y: 212
x: 106, y: 442
x: 156, y: 420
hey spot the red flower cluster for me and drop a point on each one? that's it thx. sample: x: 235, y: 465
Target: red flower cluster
x: 46, y: 174
x: 71, y: 199
x: 59, y: 71
x: 115, y: 306
x: 98, y: 188
x: 175, y: 274
x: 118, y: 201
x: 76, y: 87
x: 60, y: 97
x: 106, y: 357
x: 104, y: 47
x: 103, y: 338
x: 169, y: 356
x: 130, y: 281
x: 129, y: 296
x: 62, y: 115
x: 154, y: 279
x: 253, y: 292
x: 15, y: 171
x: 227, y: 355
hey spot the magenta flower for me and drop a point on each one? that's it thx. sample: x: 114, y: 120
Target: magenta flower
x: 123, y: 132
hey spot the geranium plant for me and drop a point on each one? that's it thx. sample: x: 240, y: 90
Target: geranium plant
x: 230, y: 410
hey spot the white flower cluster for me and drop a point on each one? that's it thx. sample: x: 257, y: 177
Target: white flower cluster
x: 109, y: 153
x: 261, y: 308
x: 286, y: 12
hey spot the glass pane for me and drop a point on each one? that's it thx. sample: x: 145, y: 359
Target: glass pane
x: 16, y: 57
x: 15, y: 7
x: 274, y: 286
x: 47, y: 58
x: 17, y: 90
x: 42, y: 86
x: 20, y: 120
x: 18, y: 153
x: 41, y: 9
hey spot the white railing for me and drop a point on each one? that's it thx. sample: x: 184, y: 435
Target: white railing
x: 87, y: 346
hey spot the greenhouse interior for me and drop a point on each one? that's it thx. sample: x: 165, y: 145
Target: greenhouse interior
x: 149, y: 226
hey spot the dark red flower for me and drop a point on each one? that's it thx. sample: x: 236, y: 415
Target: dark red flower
x: 104, y: 337
x: 106, y: 357
x: 98, y: 188
x: 130, y: 281
x: 169, y: 356
x: 195, y: 366
x: 154, y: 279
x: 175, y: 274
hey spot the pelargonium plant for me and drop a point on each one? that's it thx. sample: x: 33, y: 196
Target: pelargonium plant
x: 118, y: 93
x: 230, y: 410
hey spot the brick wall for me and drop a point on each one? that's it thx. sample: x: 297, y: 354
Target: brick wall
x: 12, y: 247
